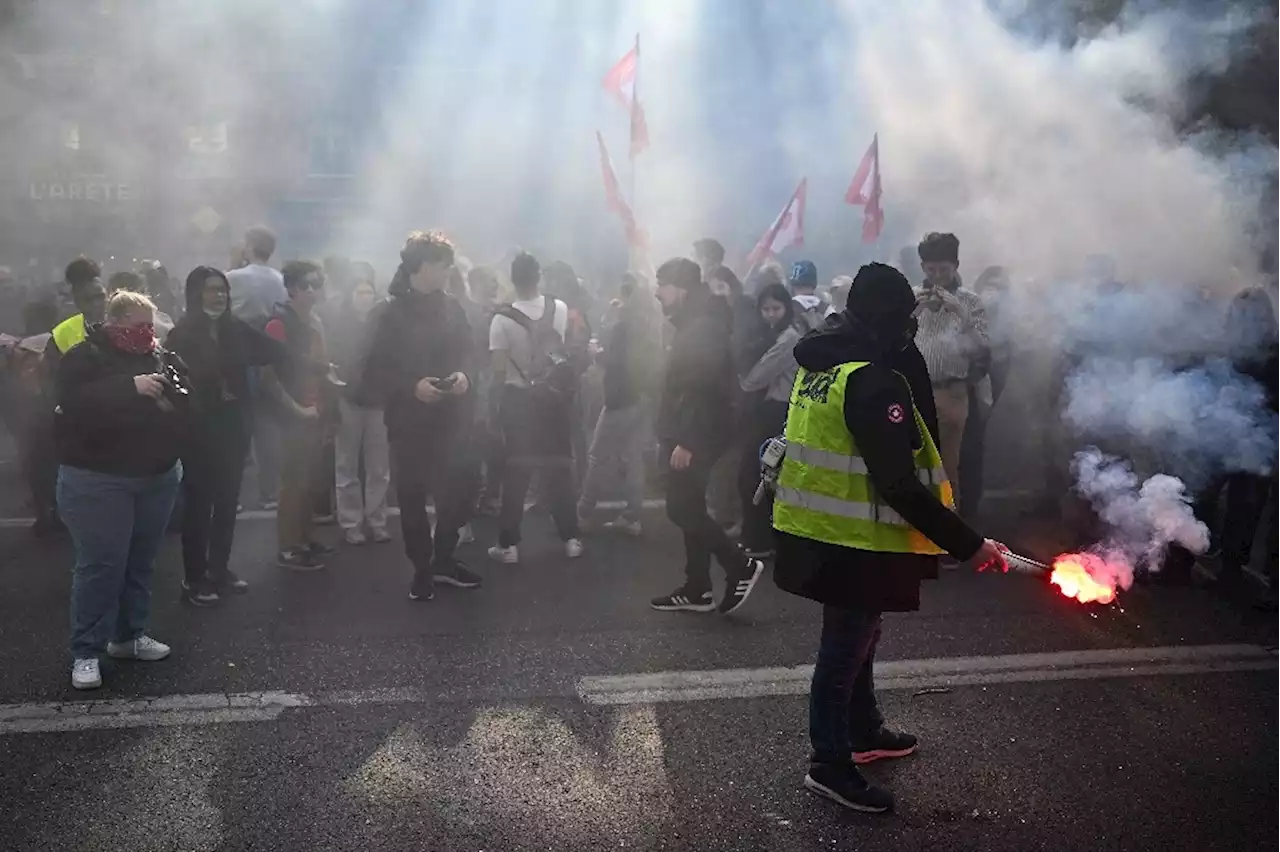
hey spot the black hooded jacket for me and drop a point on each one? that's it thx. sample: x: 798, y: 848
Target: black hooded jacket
x: 218, y: 354
x: 859, y: 579
x: 696, y: 409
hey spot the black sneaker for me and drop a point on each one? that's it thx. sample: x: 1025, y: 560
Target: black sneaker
x: 227, y: 580
x: 299, y: 559
x: 884, y: 744
x: 456, y: 574
x: 684, y: 599
x: 738, y: 586
x: 758, y: 552
x: 845, y: 786
x: 200, y: 593
x: 422, y: 589
x: 315, y: 548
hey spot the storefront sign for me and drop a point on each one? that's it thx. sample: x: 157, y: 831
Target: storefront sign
x: 89, y: 190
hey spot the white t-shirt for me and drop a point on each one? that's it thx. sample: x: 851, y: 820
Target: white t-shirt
x: 256, y: 289
x: 507, y: 335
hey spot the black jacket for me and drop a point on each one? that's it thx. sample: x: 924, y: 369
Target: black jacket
x: 102, y: 423
x: 696, y: 408
x: 218, y: 369
x: 859, y: 579
x: 416, y: 335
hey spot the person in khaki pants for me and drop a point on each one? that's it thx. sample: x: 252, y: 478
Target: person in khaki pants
x: 298, y: 387
x: 951, y: 335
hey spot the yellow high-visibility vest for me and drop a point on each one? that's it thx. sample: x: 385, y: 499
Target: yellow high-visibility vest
x: 68, y: 333
x: 824, y: 492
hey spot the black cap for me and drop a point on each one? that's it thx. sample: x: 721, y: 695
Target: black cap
x: 881, y: 297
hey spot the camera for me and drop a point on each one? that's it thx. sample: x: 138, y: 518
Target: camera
x: 445, y: 384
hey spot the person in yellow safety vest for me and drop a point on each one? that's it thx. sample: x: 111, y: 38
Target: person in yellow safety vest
x: 84, y: 277
x: 862, y: 511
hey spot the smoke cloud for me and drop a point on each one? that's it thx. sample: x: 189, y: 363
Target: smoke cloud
x: 1142, y: 518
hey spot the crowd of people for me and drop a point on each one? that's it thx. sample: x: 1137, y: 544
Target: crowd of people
x: 467, y: 387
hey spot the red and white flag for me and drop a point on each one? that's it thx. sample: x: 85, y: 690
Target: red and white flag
x: 620, y: 82
x: 614, y: 200
x: 864, y: 191
x: 786, y: 231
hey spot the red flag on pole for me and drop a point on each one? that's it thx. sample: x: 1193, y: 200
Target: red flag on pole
x: 622, y: 82
x: 614, y: 200
x: 864, y: 191
x: 786, y: 231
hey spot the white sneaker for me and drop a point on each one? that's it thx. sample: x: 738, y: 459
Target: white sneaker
x: 143, y: 648
x: 506, y: 555
x: 466, y: 535
x: 85, y: 674
x: 354, y: 536
x: 573, y: 548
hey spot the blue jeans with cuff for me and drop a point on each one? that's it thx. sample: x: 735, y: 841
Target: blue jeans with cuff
x: 116, y: 524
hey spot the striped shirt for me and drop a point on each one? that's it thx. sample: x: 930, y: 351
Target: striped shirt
x: 949, y: 340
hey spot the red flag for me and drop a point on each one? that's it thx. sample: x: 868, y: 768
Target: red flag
x: 621, y: 83
x: 864, y: 190
x: 786, y: 231
x: 613, y: 199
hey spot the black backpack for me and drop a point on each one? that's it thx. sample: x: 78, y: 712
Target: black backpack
x: 552, y: 374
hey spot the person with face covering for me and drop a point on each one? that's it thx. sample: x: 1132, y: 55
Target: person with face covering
x: 119, y: 426
x: 862, y: 512
x: 219, y: 351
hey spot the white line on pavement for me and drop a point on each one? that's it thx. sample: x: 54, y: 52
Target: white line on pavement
x: 218, y: 708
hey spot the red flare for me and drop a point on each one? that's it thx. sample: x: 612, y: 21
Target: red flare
x: 1085, y: 578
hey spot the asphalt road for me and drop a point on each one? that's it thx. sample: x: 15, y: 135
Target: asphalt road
x: 460, y: 725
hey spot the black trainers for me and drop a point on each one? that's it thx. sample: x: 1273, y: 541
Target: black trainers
x: 299, y: 559
x: 685, y: 599
x: 227, y: 580
x: 845, y: 786
x: 201, y: 593
x: 738, y: 586
x: 456, y: 574
x: 884, y: 744
x: 315, y: 548
x: 422, y: 589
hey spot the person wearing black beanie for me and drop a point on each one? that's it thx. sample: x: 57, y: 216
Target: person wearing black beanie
x: 862, y: 513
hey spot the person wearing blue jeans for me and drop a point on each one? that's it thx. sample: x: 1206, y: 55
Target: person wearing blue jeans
x: 121, y: 413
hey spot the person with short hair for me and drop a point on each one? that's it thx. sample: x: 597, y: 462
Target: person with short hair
x: 416, y: 371
x: 811, y: 309
x: 119, y: 424
x: 84, y: 277
x: 536, y: 400
x: 299, y: 389
x: 710, y: 255
x: 693, y: 418
x: 257, y: 289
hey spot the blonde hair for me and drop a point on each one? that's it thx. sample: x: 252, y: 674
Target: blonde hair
x: 123, y: 301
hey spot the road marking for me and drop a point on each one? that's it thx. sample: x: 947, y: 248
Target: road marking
x: 931, y: 673
x: 658, y: 687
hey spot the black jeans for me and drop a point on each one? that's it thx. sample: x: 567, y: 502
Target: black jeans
x: 842, y: 699
x: 1246, y: 502
x: 210, y: 496
x: 422, y: 468
x: 535, y: 439
x: 768, y: 417
x: 973, y: 456
x: 703, y: 537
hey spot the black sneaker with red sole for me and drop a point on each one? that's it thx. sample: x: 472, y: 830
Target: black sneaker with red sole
x: 884, y: 744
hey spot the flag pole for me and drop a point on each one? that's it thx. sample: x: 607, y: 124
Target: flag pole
x: 631, y: 119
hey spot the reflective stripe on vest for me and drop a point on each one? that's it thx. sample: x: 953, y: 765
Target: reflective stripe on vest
x: 68, y: 333
x: 824, y: 491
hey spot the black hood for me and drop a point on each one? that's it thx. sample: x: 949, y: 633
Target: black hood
x: 841, y: 340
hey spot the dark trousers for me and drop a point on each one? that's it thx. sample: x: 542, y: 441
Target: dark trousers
x: 39, y: 459
x: 842, y: 698
x: 1245, y: 503
x: 703, y: 537
x: 422, y: 468
x: 210, y: 497
x: 768, y: 417
x: 535, y: 439
x: 973, y: 456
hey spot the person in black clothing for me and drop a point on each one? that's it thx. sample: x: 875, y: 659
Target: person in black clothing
x: 415, y: 372
x: 119, y: 423
x: 856, y: 586
x: 693, y: 418
x: 218, y: 350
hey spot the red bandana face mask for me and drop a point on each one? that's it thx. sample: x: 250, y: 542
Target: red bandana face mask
x: 137, y: 339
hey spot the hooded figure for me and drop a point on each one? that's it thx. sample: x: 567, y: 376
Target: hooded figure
x: 218, y: 350
x: 862, y: 512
